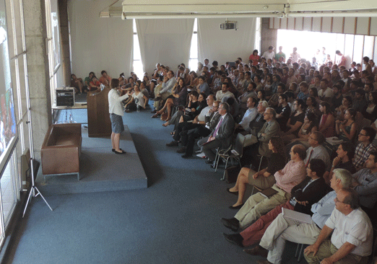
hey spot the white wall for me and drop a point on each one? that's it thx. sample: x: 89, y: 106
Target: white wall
x: 165, y: 41
x: 226, y: 45
x: 99, y: 43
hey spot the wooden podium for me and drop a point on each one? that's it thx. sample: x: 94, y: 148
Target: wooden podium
x: 99, y: 124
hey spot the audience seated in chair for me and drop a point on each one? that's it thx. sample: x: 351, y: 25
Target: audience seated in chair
x: 203, y: 129
x: 365, y: 147
x: 365, y: 184
x: 264, y: 178
x: 221, y: 136
x: 350, y: 230
x: 283, y: 228
x: 258, y: 205
x: 303, y: 196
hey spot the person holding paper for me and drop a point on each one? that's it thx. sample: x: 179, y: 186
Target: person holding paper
x: 303, y: 195
x: 283, y: 228
x: 352, y: 234
x: 258, y: 205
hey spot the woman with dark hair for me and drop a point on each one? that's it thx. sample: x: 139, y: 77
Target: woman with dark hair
x: 258, y: 82
x: 343, y: 160
x: 312, y: 107
x: 137, y: 100
x: 371, y: 111
x: 346, y: 104
x: 327, y: 121
x: 308, y: 127
x: 295, y: 121
x: 254, y: 58
x: 177, y: 98
x: 261, y: 96
x: 202, y: 86
x: 264, y: 178
x: 232, y: 89
x: 346, y: 129
x: 116, y: 113
x: 313, y: 92
x: 193, y: 79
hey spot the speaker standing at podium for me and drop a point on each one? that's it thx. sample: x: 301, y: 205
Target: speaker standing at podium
x: 116, y: 113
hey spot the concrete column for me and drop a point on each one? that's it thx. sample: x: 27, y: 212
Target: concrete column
x: 64, y: 36
x: 269, y: 36
x: 39, y: 83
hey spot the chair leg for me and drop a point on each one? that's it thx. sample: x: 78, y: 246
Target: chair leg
x: 300, y: 253
x: 260, y: 163
x: 217, y: 158
x: 226, y: 165
x: 297, y: 250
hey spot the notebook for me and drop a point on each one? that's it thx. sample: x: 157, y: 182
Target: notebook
x: 268, y: 192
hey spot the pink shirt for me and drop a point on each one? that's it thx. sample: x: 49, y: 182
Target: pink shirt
x: 292, y: 174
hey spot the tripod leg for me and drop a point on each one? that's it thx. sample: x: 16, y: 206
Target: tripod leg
x: 39, y: 193
x: 27, y: 202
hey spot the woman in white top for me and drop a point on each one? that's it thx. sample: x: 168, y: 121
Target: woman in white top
x: 137, y: 98
x: 116, y: 113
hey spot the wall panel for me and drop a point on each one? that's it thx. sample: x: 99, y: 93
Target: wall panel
x: 317, y: 21
x: 276, y: 23
x: 272, y: 22
x: 291, y: 23
x: 349, y: 25
x: 362, y: 26
x: 373, y: 26
x: 307, y: 23
x: 337, y: 25
x: 326, y: 24
x: 284, y: 23
x: 299, y: 22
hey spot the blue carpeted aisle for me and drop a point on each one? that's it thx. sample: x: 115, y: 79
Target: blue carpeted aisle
x: 175, y: 220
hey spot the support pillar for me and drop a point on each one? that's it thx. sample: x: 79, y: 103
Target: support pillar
x: 64, y: 36
x: 39, y: 82
x: 269, y: 36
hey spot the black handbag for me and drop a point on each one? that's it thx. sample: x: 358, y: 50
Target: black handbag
x: 231, y: 174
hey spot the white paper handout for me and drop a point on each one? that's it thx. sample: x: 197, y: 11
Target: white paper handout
x: 303, y: 218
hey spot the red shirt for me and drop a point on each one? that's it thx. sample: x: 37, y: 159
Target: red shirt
x: 254, y: 59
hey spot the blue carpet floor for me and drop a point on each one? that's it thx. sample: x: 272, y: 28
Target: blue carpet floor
x: 175, y: 220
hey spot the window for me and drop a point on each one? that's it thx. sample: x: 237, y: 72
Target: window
x: 193, y: 62
x: 137, y: 63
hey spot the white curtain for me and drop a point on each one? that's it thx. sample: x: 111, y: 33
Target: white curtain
x: 165, y: 41
x: 225, y: 45
x: 99, y: 43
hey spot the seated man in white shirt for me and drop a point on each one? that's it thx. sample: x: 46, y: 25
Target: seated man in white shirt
x: 325, y: 93
x: 352, y: 234
x: 249, y: 115
x: 270, y: 54
x: 284, y: 228
x: 224, y: 92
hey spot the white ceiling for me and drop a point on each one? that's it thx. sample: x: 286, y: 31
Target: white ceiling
x: 129, y: 9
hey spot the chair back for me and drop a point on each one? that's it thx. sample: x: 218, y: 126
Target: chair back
x: 238, y: 146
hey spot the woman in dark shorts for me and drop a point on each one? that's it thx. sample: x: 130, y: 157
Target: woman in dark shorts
x: 264, y: 178
x: 116, y: 113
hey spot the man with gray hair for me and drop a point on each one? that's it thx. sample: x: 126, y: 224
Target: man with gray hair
x: 221, y: 136
x: 284, y: 228
x: 352, y: 233
x: 270, y: 129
